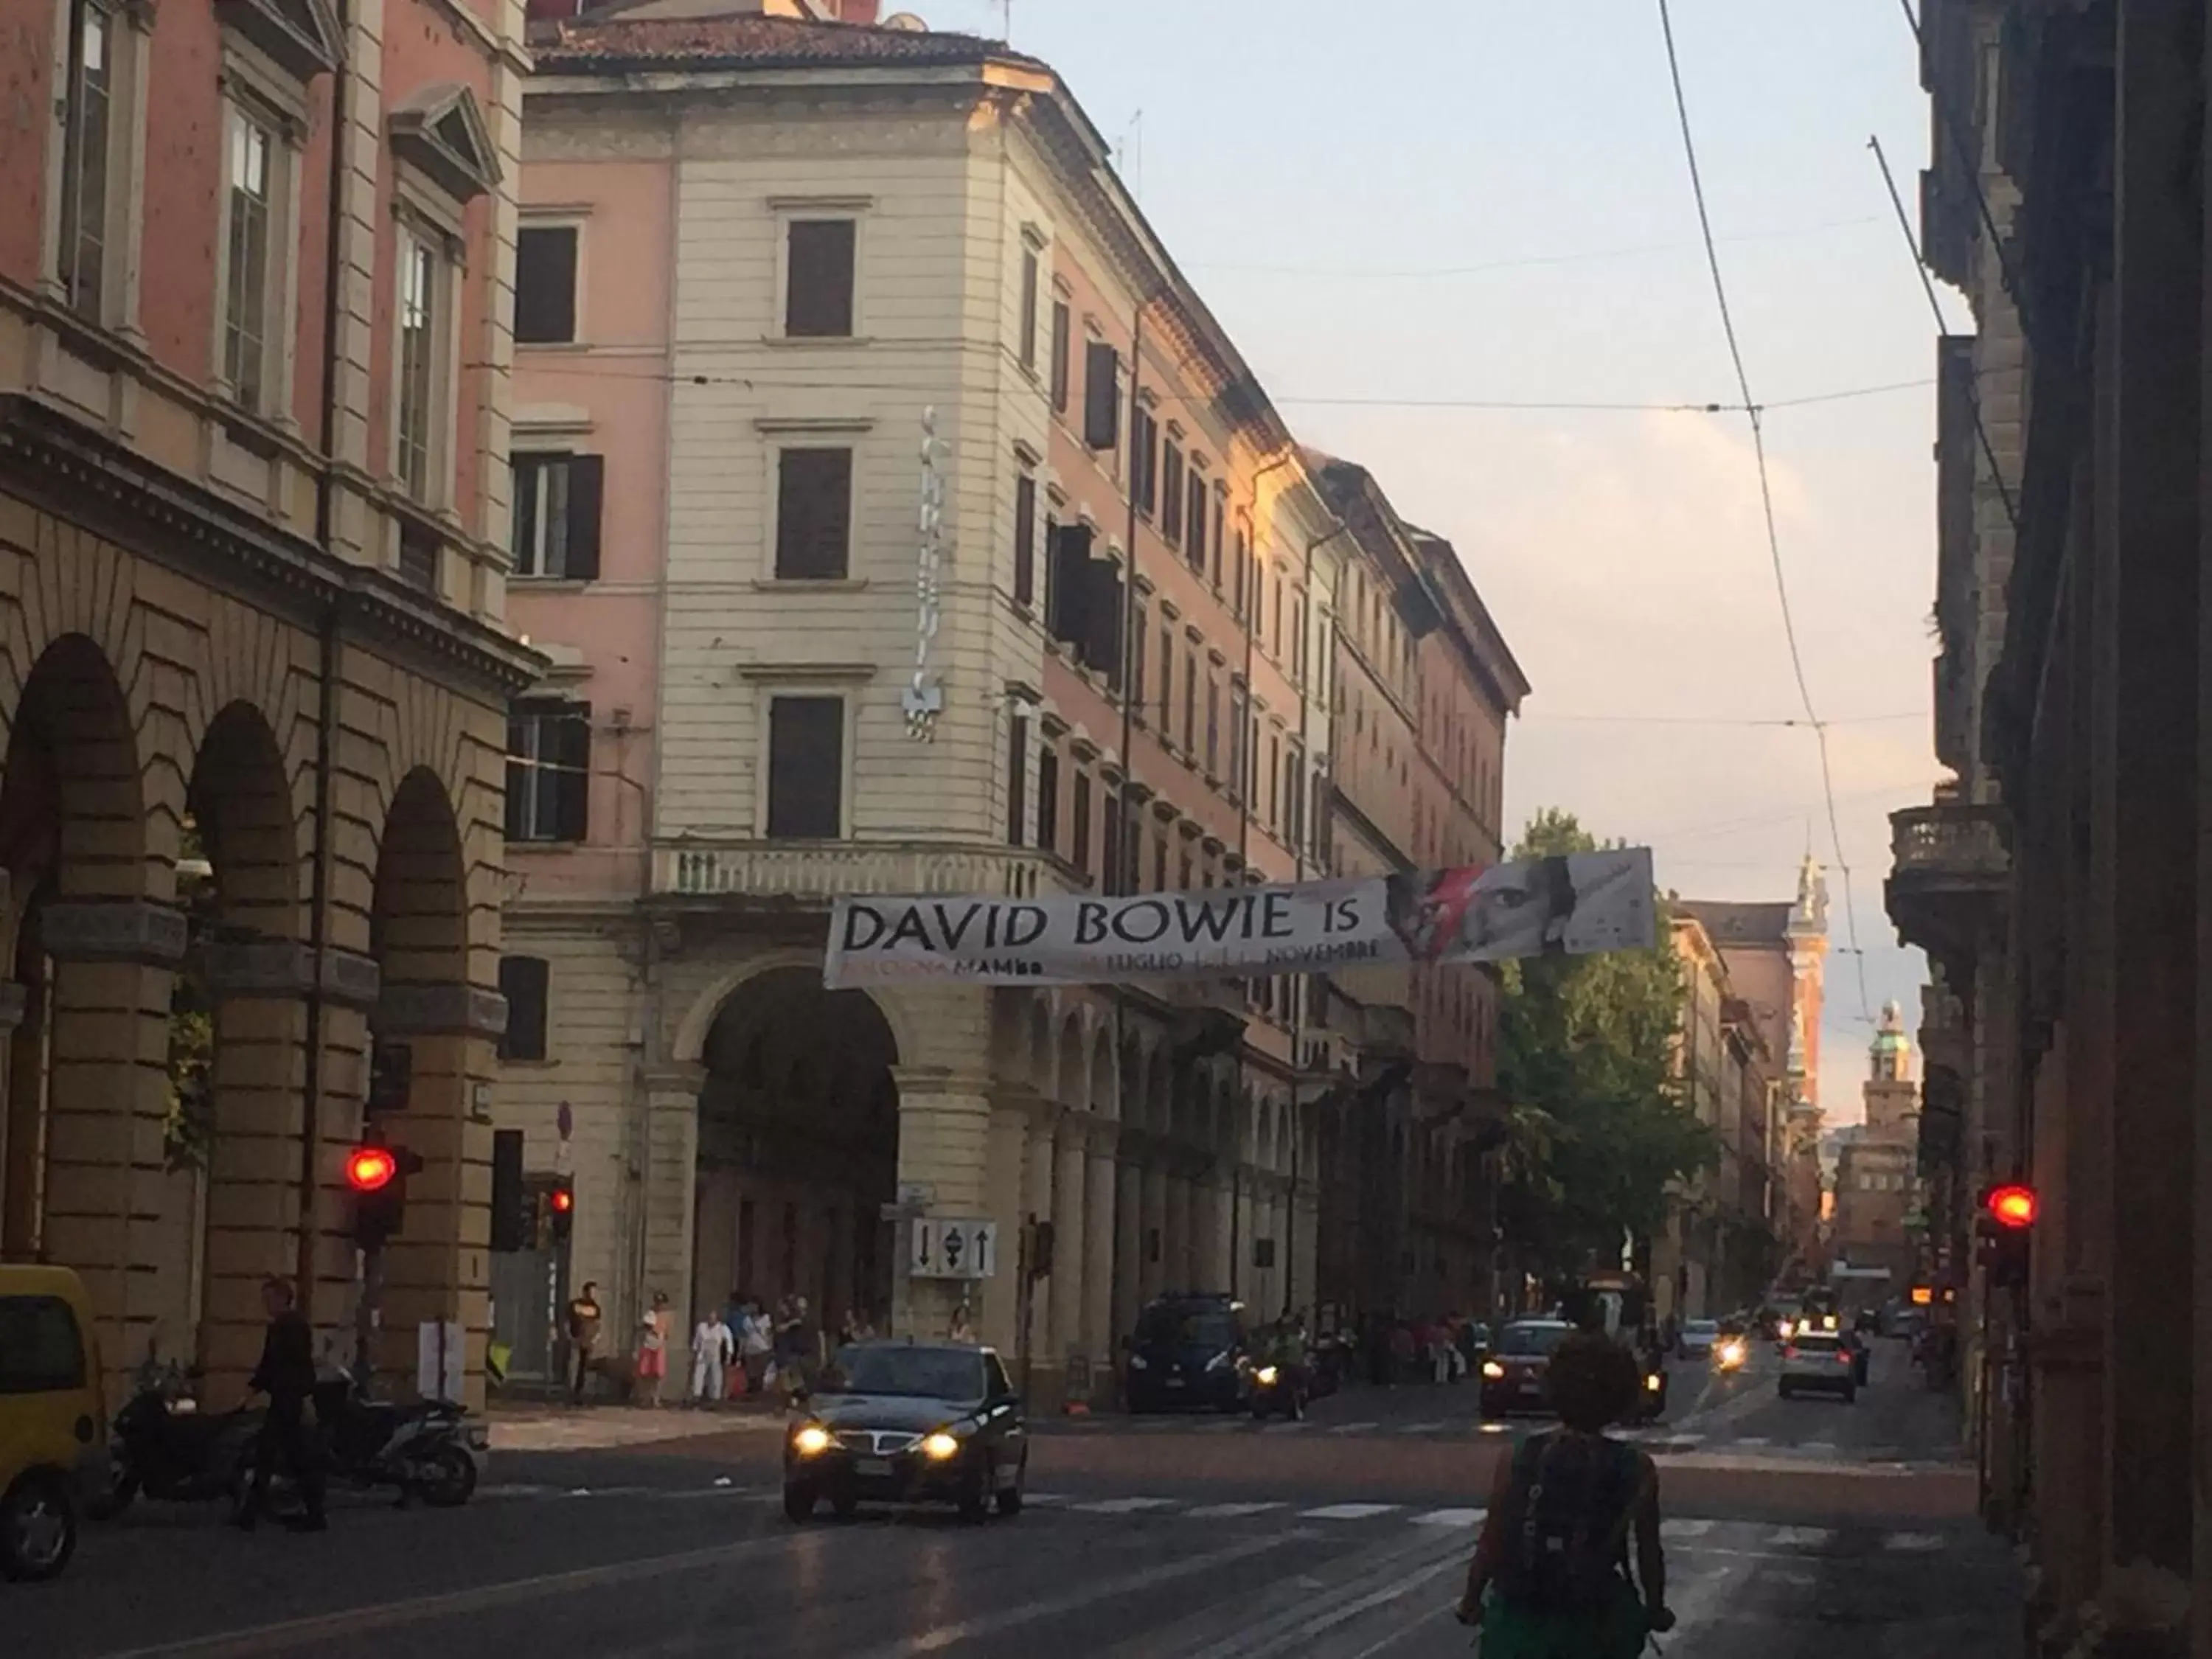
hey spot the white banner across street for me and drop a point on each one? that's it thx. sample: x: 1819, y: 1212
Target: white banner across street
x: 1567, y: 906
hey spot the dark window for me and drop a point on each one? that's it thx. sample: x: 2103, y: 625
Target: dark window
x: 1294, y: 792
x: 1220, y: 536
x: 806, y: 768
x: 1213, y: 728
x: 1029, y: 308
x: 818, y: 301
x: 557, y: 503
x: 1167, y: 679
x: 1242, y: 578
x: 419, y: 551
x: 545, y: 284
x: 1144, y: 460
x: 1018, y: 780
x: 814, y: 515
x: 548, y: 770
x: 1195, y: 526
x: 1160, y: 862
x: 1172, y: 494
x: 1049, y: 798
x: 41, y: 1350
x: 89, y: 108
x: 1101, y: 645
x: 1102, y: 396
x: 1138, y: 632
x: 1190, y: 699
x: 1274, y: 780
x: 1110, y: 840
x: 1068, y: 596
x: 1063, y: 344
x: 524, y: 981
x: 1081, y: 809
x: 1025, y: 539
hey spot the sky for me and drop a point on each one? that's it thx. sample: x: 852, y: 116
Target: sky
x: 1487, y: 201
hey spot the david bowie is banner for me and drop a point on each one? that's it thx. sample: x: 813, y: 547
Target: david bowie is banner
x: 1569, y: 905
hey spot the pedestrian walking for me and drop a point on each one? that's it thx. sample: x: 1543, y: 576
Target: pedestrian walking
x: 963, y: 1326
x: 712, y: 1349
x: 756, y: 1342
x: 652, y: 1334
x: 1550, y: 1576
x: 583, y: 1322
x: 287, y: 1374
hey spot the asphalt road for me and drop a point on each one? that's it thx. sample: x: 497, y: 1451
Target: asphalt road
x: 1204, y: 1538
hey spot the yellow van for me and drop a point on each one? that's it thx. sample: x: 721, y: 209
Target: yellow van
x: 53, y: 1421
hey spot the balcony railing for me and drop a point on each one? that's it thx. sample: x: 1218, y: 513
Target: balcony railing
x: 1952, y: 841
x: 815, y: 873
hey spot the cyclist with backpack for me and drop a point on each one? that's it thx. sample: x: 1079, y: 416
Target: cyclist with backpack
x: 1550, y: 1577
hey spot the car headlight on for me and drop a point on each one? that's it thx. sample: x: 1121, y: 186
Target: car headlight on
x: 1654, y: 1382
x: 810, y: 1441
x: 1137, y: 1362
x: 1265, y: 1376
x: 1493, y: 1371
x: 940, y: 1446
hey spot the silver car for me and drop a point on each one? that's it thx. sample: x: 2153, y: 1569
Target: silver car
x: 1819, y: 1362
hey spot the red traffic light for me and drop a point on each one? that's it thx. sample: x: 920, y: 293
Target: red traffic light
x: 564, y: 1200
x: 2013, y: 1206
x: 370, y: 1168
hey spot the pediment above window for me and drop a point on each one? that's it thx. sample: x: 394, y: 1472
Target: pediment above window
x: 301, y: 37
x: 440, y: 131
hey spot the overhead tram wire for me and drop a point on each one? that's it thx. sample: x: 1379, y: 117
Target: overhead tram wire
x: 1753, y: 414
x: 1942, y: 332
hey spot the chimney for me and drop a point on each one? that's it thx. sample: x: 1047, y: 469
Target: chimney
x: 858, y: 11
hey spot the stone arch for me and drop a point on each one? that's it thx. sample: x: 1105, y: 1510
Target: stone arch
x: 686, y: 1045
x: 238, y: 1222
x: 1069, y: 1083
x: 798, y: 1148
x: 1104, y: 1097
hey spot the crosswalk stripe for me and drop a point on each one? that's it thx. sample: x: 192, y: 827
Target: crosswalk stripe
x: 1125, y: 1505
x: 1047, y: 1498
x: 1230, y: 1511
x: 1753, y: 1440
x: 1683, y: 1531
x: 1354, y: 1428
x: 1820, y: 1446
x: 1219, y: 1424
x: 1913, y: 1542
x: 1800, y: 1538
x: 1347, y: 1511
x: 1449, y: 1518
x: 1296, y: 1427
x: 1421, y: 1428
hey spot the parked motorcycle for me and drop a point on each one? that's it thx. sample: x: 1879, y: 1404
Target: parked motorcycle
x: 424, y: 1448
x: 163, y: 1446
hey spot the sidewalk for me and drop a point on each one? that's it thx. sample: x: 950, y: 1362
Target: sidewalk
x: 602, y: 1428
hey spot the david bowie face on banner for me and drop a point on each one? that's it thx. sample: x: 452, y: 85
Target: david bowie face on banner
x: 1522, y: 909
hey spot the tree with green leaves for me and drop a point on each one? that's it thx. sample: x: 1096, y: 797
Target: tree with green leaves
x: 1596, y: 1126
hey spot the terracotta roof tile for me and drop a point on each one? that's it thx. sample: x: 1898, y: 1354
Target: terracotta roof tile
x: 753, y: 42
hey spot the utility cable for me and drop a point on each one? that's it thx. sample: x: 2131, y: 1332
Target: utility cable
x: 1766, y: 486
x: 1942, y: 331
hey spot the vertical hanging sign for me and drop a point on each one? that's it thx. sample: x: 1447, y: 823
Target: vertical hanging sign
x: 925, y: 696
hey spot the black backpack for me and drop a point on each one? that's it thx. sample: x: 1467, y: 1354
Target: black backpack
x: 1566, y: 1521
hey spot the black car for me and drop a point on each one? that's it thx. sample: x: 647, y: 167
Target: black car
x: 1189, y: 1352
x: 908, y: 1423
x: 1513, y: 1376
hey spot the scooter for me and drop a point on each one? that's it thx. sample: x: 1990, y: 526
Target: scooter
x: 1274, y: 1388
x: 425, y: 1449
x: 164, y: 1446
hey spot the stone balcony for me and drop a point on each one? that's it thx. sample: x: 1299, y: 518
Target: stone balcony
x: 809, y: 875
x: 1949, y: 874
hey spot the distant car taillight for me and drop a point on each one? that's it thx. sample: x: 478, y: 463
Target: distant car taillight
x: 1790, y: 1353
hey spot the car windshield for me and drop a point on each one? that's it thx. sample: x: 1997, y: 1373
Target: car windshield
x: 924, y: 1373
x: 1819, y: 1342
x: 1186, y: 1327
x: 1532, y: 1339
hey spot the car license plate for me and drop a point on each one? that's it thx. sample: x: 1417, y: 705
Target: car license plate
x: 871, y: 1465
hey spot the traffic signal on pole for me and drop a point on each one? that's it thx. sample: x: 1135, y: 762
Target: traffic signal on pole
x: 560, y: 1205
x: 378, y: 1176
x: 2008, y: 1229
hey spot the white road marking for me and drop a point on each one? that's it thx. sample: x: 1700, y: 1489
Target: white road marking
x: 1449, y: 1518
x: 1821, y: 1446
x: 1044, y: 1498
x: 1801, y: 1538
x: 1229, y: 1511
x: 1125, y: 1505
x: 1914, y: 1543
x: 1421, y: 1428
x: 1354, y: 1428
x: 1299, y: 1427
x: 1681, y: 1532
x: 1348, y: 1512
x: 1752, y: 1440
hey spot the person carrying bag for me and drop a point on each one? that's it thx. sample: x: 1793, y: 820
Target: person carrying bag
x: 1550, y: 1577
